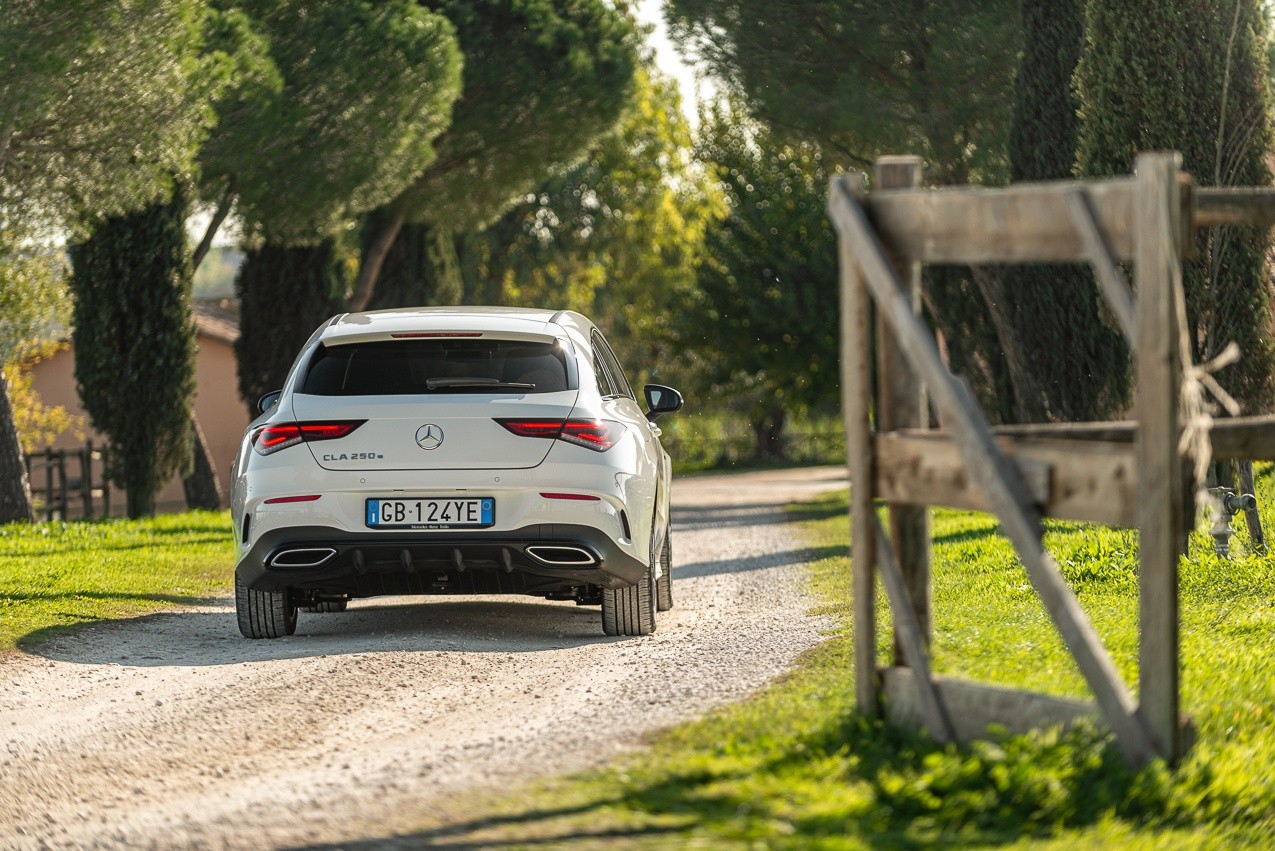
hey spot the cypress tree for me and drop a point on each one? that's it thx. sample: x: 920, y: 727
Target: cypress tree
x: 1192, y: 76
x: 135, y: 344
x: 284, y: 294
x: 1078, y: 361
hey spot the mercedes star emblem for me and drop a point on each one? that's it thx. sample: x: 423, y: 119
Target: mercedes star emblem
x: 429, y: 436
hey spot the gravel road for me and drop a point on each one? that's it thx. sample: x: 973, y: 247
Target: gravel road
x: 171, y: 731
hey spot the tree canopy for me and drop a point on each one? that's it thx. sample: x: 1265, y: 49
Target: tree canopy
x: 865, y: 77
x: 101, y: 101
x: 542, y: 80
x: 617, y: 236
x: 767, y: 314
x: 334, y: 111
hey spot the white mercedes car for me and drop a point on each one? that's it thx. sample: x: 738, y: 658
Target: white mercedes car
x: 454, y: 451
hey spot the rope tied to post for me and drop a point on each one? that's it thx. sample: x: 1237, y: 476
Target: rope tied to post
x: 1197, y: 411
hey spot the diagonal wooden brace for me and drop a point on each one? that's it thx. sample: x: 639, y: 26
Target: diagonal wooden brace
x: 912, y: 640
x: 1007, y: 493
x: 1102, y: 257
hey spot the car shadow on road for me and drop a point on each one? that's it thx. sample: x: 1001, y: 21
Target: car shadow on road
x: 436, y: 625
x: 689, y: 518
x: 758, y: 562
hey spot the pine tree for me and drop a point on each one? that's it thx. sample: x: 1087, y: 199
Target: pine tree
x: 135, y: 344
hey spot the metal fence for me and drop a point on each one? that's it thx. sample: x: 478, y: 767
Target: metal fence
x: 69, y: 484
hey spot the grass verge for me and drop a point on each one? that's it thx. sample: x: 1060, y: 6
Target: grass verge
x: 54, y: 576
x: 797, y: 766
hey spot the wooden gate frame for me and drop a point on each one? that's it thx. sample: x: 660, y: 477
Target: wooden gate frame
x: 1123, y: 474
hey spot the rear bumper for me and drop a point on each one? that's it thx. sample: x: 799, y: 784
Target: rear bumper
x: 365, y: 564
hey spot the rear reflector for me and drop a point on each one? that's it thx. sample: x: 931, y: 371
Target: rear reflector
x: 275, y: 500
x: 580, y: 496
x: 272, y: 438
x: 598, y: 435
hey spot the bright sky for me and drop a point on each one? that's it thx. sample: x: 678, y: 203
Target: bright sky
x: 669, y: 60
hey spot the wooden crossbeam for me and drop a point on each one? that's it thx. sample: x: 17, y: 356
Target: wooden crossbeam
x: 1023, y: 223
x: 1219, y: 206
x: 1007, y: 493
x: 912, y: 640
x: 1068, y: 479
x: 1030, y: 222
x: 1236, y: 438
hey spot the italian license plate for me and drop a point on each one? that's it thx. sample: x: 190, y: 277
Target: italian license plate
x: 431, y: 513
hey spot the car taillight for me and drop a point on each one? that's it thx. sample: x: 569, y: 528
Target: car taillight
x: 272, y: 438
x: 534, y: 428
x: 598, y: 435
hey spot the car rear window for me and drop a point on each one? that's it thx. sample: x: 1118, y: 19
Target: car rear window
x: 411, y: 367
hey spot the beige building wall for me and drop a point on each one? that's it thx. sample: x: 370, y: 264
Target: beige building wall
x: 222, y: 415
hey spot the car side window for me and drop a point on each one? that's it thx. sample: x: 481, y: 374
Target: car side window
x: 605, y: 388
x: 618, y: 380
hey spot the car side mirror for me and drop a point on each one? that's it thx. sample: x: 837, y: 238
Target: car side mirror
x: 661, y: 400
x: 268, y: 401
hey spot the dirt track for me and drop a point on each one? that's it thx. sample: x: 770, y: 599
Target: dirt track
x: 172, y: 731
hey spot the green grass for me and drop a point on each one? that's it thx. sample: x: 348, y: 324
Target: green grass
x: 54, y: 576
x: 798, y: 767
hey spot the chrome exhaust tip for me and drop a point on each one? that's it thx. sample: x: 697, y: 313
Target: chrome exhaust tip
x: 559, y: 555
x: 301, y: 557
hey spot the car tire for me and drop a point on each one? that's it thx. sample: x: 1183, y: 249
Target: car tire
x: 327, y: 606
x: 664, y: 585
x: 631, y: 610
x: 264, y: 614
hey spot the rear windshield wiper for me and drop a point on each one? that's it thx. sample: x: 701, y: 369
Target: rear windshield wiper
x: 476, y: 384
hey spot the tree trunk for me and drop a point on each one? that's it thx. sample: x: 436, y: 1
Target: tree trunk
x: 5, y: 136
x: 138, y: 504
x: 388, y: 225
x: 1028, y: 402
x: 224, y: 204
x: 769, y: 432
x: 1251, y: 515
x: 15, y: 490
x: 421, y: 269
x: 201, y: 486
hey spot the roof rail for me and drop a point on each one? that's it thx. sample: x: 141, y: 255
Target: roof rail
x: 553, y: 320
x: 337, y: 318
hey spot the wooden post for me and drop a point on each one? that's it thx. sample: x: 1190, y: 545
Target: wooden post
x: 86, y: 479
x: 901, y: 404
x: 856, y: 404
x: 1161, y: 315
x: 1257, y: 540
x: 48, y: 484
x: 1007, y: 492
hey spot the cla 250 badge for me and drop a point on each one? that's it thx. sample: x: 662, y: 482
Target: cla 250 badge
x: 353, y: 456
